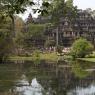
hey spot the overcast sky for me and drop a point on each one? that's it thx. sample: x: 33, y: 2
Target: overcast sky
x: 82, y: 4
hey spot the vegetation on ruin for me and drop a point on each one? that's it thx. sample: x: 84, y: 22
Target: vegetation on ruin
x: 21, y: 38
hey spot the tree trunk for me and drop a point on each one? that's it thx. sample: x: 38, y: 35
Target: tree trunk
x: 57, y: 37
x: 13, y: 34
x: 13, y: 26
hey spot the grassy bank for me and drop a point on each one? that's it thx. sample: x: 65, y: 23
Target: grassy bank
x: 42, y: 56
x: 49, y: 56
x: 87, y: 59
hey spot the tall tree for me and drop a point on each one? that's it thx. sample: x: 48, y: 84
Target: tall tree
x: 35, y: 34
x: 5, y: 38
x: 60, y: 11
x: 12, y: 7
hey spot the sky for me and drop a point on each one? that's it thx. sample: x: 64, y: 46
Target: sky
x: 82, y: 4
x: 25, y: 15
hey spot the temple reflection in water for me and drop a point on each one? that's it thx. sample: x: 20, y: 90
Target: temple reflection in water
x: 26, y: 79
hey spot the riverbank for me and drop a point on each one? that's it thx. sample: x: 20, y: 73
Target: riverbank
x: 87, y: 59
x: 42, y: 56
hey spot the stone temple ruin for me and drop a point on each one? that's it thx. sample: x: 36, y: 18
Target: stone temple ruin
x: 66, y: 32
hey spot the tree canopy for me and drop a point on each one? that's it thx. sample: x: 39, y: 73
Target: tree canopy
x: 11, y: 7
x: 81, y: 48
x: 61, y: 9
x: 5, y: 38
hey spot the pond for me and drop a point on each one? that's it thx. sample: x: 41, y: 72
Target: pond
x: 78, y: 78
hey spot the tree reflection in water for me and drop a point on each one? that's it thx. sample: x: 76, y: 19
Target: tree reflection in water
x: 26, y: 79
x: 25, y: 89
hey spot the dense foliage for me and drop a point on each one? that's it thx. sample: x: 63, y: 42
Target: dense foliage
x: 32, y: 36
x: 81, y: 48
x: 50, y: 42
x: 59, y: 49
x: 61, y: 9
x: 11, y: 7
x: 5, y: 38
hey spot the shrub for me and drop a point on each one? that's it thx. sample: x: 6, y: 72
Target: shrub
x: 36, y: 56
x: 50, y: 43
x: 59, y: 49
x: 90, y: 56
x: 81, y: 48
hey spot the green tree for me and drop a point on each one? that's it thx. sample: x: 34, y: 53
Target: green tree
x: 36, y: 30
x: 19, y: 27
x: 12, y: 7
x: 59, y: 49
x: 5, y: 38
x: 81, y: 48
x: 61, y: 10
x: 50, y: 42
x: 34, y: 35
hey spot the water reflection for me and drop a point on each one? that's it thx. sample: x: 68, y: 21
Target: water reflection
x: 34, y: 89
x: 27, y: 79
x: 80, y: 70
x: 83, y: 91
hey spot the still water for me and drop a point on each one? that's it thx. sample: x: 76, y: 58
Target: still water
x: 78, y: 78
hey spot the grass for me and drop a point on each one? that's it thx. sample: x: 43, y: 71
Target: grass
x: 53, y: 57
x: 87, y: 59
x: 49, y: 56
x: 14, y: 58
x: 46, y: 56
